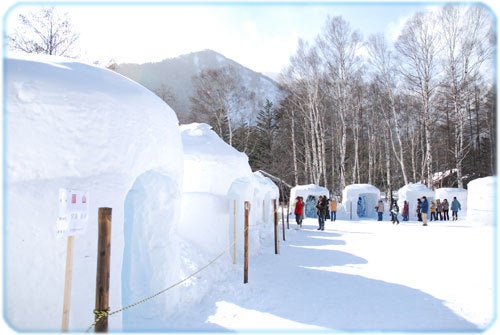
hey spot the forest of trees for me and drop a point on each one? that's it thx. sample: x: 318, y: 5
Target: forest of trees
x: 419, y: 109
x: 365, y: 111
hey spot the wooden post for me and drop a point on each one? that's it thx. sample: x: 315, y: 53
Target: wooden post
x: 234, y: 233
x: 103, y: 269
x: 276, y: 245
x: 245, y: 269
x: 283, y: 220
x: 67, y: 284
x: 288, y: 215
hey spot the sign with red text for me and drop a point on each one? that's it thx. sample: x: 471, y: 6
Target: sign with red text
x: 73, y: 212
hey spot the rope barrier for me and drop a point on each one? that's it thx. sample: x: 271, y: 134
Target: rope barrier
x: 102, y: 314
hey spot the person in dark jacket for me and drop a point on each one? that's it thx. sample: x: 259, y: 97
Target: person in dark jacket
x: 322, y: 208
x: 424, y: 208
x: 394, y: 212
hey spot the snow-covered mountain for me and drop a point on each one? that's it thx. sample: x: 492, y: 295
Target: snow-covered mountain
x: 174, y: 76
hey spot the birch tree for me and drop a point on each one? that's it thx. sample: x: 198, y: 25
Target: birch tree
x: 417, y: 47
x: 382, y: 60
x: 462, y: 32
x: 340, y: 46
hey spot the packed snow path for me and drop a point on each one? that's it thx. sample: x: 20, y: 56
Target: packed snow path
x: 363, y: 275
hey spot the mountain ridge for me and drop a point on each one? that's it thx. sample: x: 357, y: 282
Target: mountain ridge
x: 171, y: 79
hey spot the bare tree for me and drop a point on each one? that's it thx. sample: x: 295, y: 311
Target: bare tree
x: 44, y: 32
x: 340, y: 47
x: 382, y: 61
x: 463, y: 33
x: 417, y: 46
x: 219, y: 96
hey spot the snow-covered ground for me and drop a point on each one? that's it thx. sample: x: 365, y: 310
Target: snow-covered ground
x: 358, y: 276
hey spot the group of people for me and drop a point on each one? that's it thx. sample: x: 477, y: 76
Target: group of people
x: 435, y: 210
x: 440, y: 210
x: 325, y: 209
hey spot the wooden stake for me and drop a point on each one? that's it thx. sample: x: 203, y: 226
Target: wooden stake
x: 67, y: 284
x: 103, y: 269
x: 234, y: 234
x: 283, y: 220
x: 245, y: 269
x: 276, y: 243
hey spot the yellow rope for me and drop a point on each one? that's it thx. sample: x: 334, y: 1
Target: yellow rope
x: 102, y: 314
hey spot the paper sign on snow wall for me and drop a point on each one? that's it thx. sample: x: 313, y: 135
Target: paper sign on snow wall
x: 73, y: 212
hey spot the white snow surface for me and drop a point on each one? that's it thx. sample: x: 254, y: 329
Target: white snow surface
x: 176, y: 231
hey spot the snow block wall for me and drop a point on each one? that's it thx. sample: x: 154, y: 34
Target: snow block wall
x: 359, y: 201
x: 482, y: 200
x: 75, y: 126
x: 411, y: 193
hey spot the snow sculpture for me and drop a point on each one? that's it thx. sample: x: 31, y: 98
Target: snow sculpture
x: 359, y: 201
x: 76, y: 126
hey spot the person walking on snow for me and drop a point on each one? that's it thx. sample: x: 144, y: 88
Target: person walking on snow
x: 394, y: 212
x: 455, y: 207
x: 299, y: 211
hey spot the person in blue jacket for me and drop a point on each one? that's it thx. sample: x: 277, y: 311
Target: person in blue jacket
x: 455, y: 207
x: 424, y: 208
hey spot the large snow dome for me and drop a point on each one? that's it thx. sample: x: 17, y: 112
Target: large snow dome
x: 310, y: 193
x: 210, y: 167
x: 359, y: 200
x: 411, y: 193
x: 482, y: 200
x: 75, y: 126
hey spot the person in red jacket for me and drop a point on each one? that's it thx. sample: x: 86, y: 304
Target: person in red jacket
x: 299, y: 211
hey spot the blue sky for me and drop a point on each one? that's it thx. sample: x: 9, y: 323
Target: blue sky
x: 260, y: 35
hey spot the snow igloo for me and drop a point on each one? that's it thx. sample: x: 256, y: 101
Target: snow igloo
x: 411, y: 193
x: 482, y: 201
x: 74, y: 126
x: 310, y: 193
x: 359, y: 201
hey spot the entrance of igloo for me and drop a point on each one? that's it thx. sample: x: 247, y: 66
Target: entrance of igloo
x: 365, y: 206
x: 151, y: 211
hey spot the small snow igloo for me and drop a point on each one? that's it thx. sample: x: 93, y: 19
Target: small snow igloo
x: 411, y: 193
x: 310, y: 193
x: 359, y: 201
x: 482, y: 201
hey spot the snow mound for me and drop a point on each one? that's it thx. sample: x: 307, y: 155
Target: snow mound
x: 359, y: 201
x: 76, y: 126
x: 482, y: 200
x: 411, y: 193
